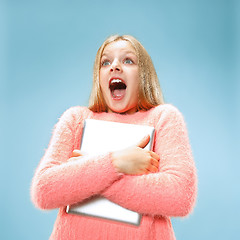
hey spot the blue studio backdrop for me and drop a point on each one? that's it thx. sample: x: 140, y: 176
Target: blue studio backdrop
x: 46, y: 61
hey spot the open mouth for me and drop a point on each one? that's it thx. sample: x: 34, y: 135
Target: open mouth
x: 117, y: 88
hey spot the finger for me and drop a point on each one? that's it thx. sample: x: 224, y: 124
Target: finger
x: 73, y: 159
x: 152, y: 168
x: 76, y: 153
x: 155, y: 163
x: 147, y: 171
x: 155, y: 155
x: 143, y: 143
x: 144, y: 171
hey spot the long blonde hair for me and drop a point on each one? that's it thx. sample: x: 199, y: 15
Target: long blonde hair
x: 150, y: 93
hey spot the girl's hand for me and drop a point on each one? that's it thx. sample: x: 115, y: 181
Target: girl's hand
x: 75, y: 155
x: 136, y: 160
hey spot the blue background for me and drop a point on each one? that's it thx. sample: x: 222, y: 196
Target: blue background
x: 47, y: 53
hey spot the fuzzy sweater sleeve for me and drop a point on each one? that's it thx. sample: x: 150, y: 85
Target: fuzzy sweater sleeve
x: 171, y: 191
x: 58, y: 182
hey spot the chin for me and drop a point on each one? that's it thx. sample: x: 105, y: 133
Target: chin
x: 123, y: 110
x: 116, y: 110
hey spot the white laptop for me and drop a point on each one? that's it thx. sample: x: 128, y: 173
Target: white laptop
x: 100, y: 137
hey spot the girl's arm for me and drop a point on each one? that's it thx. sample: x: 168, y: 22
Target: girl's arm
x: 58, y: 182
x: 171, y: 191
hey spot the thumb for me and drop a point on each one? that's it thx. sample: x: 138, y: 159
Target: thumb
x: 144, y: 142
x: 76, y: 153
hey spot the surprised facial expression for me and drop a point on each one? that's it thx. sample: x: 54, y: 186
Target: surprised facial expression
x: 119, y: 77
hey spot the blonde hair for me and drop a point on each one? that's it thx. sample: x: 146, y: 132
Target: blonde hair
x: 150, y: 93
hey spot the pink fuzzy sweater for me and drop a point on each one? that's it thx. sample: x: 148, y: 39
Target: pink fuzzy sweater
x: 157, y: 196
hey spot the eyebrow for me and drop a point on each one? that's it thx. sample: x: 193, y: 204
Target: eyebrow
x: 125, y: 52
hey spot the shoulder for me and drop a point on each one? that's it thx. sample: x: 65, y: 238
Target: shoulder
x: 167, y: 114
x: 166, y: 111
x: 75, y: 114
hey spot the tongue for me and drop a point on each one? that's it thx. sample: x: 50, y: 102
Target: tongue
x: 118, y: 93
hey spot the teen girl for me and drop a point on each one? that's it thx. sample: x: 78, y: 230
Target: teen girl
x: 158, y: 184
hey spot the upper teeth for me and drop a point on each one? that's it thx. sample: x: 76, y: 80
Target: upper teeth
x: 116, y: 81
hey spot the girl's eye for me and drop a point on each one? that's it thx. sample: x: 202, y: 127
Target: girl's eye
x: 105, y: 63
x: 128, y: 61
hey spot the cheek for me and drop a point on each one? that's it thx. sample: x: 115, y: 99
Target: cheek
x: 134, y: 93
x: 135, y: 83
x: 104, y: 89
x: 103, y: 79
x: 136, y: 77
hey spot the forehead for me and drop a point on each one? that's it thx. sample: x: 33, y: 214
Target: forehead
x: 119, y: 46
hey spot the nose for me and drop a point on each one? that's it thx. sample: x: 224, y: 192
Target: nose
x: 116, y: 66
